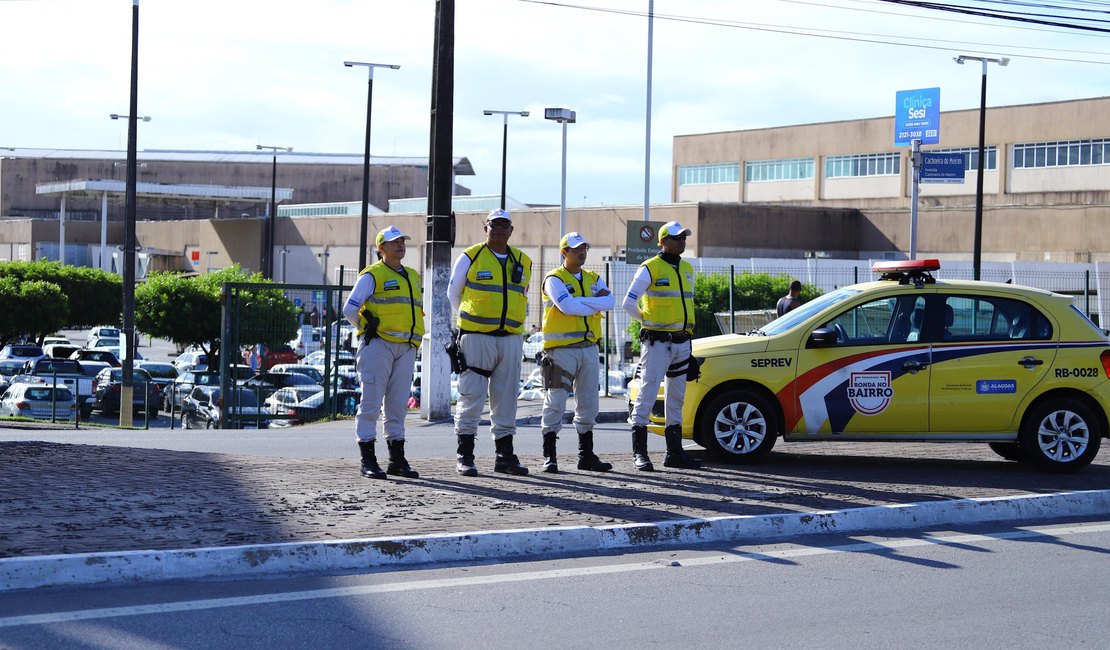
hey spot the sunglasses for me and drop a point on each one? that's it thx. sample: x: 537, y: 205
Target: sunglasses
x: 499, y: 224
x: 678, y: 238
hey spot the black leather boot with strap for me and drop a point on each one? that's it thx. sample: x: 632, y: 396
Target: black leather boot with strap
x: 507, y: 462
x: 370, y: 467
x: 550, y: 463
x: 398, y: 465
x: 676, y: 456
x: 587, y: 459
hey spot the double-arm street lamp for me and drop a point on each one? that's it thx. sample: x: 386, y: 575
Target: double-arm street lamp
x: 977, y: 253
x: 366, y: 157
x: 563, y: 116
x: 268, y: 235
x: 505, y: 144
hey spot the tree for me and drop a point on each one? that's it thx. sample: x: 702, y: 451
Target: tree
x: 189, y: 311
x: 93, y: 297
x: 41, y: 308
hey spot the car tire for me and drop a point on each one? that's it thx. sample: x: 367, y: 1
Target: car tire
x: 1060, y: 435
x: 152, y: 414
x: 184, y: 422
x: 1008, y: 450
x: 739, y: 426
x: 86, y: 412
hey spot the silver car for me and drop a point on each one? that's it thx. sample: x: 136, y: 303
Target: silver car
x: 38, y: 401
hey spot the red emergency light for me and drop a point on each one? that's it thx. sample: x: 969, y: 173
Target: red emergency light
x: 906, y: 266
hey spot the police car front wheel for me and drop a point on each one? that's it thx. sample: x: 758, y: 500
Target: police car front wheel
x: 739, y: 426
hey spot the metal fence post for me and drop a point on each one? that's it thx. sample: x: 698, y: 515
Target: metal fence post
x: 731, y: 293
x: 1087, y: 291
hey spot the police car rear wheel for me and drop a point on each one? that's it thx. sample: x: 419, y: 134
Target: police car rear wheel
x: 1061, y: 435
x: 1008, y: 450
x: 739, y: 426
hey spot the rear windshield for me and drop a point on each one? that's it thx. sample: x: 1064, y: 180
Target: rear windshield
x: 47, y: 393
x: 26, y: 351
x: 240, y: 398
x: 60, y: 366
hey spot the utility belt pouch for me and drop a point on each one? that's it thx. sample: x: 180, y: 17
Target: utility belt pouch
x: 547, y: 371
x: 693, y: 370
x: 371, y: 331
x: 454, y: 353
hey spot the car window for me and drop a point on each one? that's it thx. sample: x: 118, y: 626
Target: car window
x: 992, y: 318
x: 877, y: 322
x: 807, y: 310
x: 46, y: 393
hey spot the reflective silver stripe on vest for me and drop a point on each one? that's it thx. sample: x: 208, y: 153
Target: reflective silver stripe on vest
x: 667, y: 327
x: 553, y: 336
x: 517, y: 287
x: 488, y: 321
x: 399, y: 300
x: 492, y: 288
x: 669, y: 293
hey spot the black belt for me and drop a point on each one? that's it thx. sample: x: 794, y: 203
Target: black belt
x: 655, y: 336
x: 493, y: 333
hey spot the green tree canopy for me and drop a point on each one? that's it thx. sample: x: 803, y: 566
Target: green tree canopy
x: 94, y: 297
x: 37, y: 308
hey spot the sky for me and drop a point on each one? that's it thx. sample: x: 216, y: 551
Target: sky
x: 230, y: 74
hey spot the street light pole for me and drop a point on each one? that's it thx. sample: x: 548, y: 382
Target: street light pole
x: 977, y: 253
x: 505, y: 145
x: 363, y: 224
x: 268, y: 235
x: 563, y: 116
x: 127, y: 346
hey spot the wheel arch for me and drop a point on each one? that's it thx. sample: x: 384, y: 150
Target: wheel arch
x: 1068, y: 393
x: 736, y: 384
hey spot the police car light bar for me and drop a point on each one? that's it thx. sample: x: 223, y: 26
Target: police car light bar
x: 906, y: 266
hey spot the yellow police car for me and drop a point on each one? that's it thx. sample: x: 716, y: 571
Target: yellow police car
x: 909, y: 358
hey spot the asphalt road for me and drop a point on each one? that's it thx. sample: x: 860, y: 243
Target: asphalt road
x: 980, y: 587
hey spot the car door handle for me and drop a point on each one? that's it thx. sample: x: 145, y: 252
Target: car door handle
x: 1028, y: 362
x: 914, y: 366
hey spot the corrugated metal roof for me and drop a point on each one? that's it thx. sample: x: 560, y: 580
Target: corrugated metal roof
x: 462, y: 164
x: 165, y: 190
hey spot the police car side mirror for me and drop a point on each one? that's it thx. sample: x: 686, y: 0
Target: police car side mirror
x: 822, y: 337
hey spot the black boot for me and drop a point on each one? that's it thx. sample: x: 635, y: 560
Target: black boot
x: 506, y: 462
x: 676, y: 455
x: 398, y: 466
x: 550, y: 464
x: 465, y: 455
x: 370, y: 468
x: 587, y: 460
x: 639, y: 449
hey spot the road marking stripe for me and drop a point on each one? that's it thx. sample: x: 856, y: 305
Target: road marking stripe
x: 364, y: 590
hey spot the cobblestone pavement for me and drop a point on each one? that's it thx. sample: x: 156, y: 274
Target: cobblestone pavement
x: 69, y: 498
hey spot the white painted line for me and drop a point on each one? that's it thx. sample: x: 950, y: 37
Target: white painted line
x: 361, y: 554
x: 528, y: 576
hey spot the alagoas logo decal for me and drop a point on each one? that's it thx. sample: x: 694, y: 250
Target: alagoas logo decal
x: 870, y: 392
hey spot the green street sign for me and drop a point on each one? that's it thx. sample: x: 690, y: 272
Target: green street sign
x: 642, y: 241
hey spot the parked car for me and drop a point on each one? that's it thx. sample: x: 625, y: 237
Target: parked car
x: 283, y: 398
x: 55, y: 340
x: 908, y: 358
x: 307, y: 341
x: 191, y: 360
x: 163, y: 372
x: 338, y: 358
x: 184, y: 383
x: 533, y: 347
x: 205, y: 407
x: 89, y: 354
x: 21, y: 351
x: 265, y: 383
x: 313, y: 407
x: 38, y: 401
x: 280, y: 354
x: 67, y: 372
x: 59, y: 350
x: 8, y: 369
x: 109, y: 342
x: 300, y: 368
x: 107, y: 387
x: 101, y: 332
x: 345, y: 377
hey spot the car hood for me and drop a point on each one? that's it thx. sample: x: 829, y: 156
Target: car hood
x: 713, y: 346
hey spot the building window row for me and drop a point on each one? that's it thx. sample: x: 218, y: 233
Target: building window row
x: 712, y: 173
x: 971, y: 157
x: 867, y: 164
x: 1059, y: 154
x: 786, y: 169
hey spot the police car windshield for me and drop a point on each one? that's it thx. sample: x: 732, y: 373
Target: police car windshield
x: 792, y: 318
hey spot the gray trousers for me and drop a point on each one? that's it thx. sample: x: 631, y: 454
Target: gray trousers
x: 385, y: 372
x: 580, y: 365
x: 501, y: 355
x: 655, y: 358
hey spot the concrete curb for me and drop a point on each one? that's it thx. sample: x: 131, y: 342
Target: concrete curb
x: 361, y: 554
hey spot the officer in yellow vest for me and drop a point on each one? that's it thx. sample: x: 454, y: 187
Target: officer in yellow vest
x: 387, y: 309
x: 661, y: 297
x: 489, y: 291
x: 573, y: 299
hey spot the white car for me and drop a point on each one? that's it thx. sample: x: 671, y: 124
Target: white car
x: 300, y: 369
x: 280, y: 401
x: 22, y: 352
x: 533, y: 347
x: 190, y: 360
x: 101, y: 333
x: 38, y: 401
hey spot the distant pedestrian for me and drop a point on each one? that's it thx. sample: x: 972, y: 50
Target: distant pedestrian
x: 791, y: 300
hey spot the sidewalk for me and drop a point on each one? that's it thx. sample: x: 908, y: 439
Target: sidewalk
x: 73, y: 499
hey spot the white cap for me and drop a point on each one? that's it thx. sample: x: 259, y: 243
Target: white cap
x: 499, y: 213
x: 390, y: 234
x: 573, y: 239
x: 673, y: 229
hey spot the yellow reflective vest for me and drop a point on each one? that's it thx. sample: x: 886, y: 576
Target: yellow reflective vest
x: 495, y: 298
x: 668, y: 303
x: 559, y: 329
x: 396, y: 302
